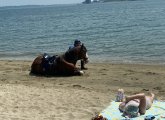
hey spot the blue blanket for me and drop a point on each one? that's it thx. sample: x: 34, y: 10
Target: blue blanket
x: 112, y: 112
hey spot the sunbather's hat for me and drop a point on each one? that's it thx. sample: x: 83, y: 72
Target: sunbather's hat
x: 131, y: 111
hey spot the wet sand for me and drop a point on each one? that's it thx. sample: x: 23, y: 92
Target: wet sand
x: 27, y: 97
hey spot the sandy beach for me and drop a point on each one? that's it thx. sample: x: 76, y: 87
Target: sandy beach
x: 27, y: 97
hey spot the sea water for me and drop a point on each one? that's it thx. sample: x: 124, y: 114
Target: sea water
x: 126, y: 31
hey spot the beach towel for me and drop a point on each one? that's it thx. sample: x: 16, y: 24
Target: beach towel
x: 112, y: 112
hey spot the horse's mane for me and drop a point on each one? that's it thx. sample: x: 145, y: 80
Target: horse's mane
x: 71, y: 54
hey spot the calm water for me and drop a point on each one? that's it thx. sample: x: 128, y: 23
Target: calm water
x: 116, y: 31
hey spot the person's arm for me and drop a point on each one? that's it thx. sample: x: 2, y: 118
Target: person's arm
x: 142, y: 101
x: 122, y: 106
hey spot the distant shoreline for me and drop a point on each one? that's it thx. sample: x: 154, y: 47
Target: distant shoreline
x: 104, y: 1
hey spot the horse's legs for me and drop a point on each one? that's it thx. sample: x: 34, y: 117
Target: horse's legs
x: 78, y: 72
x: 70, y: 68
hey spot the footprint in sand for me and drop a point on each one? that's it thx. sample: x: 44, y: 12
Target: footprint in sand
x: 77, y: 86
x: 151, y: 73
x: 145, y: 89
x: 157, y: 88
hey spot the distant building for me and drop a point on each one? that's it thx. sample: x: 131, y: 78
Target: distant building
x: 95, y: 0
x: 91, y: 1
x: 87, y: 1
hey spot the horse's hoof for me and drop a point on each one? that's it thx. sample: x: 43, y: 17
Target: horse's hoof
x: 81, y: 72
x: 83, y: 68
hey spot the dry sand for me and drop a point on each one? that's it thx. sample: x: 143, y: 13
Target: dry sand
x: 26, y: 97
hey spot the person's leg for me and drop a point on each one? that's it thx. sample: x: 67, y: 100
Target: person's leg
x: 122, y: 106
x: 134, y: 97
x: 152, y: 97
x: 142, y: 101
x: 149, y: 100
x: 83, y: 65
x: 142, y: 105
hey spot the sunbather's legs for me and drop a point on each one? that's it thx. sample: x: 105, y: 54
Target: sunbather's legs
x: 142, y: 106
x: 152, y: 97
x: 149, y: 100
x: 135, y: 97
x: 142, y: 99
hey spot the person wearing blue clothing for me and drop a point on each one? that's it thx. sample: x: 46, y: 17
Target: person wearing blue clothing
x: 78, y: 43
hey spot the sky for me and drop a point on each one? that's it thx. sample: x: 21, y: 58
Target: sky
x: 36, y: 2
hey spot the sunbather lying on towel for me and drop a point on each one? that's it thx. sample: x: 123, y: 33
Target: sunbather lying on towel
x: 136, y: 104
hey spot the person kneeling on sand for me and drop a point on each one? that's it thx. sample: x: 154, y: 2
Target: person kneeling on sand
x: 136, y: 105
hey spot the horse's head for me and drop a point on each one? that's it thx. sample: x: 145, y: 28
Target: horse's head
x: 83, y: 53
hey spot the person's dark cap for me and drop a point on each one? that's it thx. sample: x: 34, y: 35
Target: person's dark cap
x: 77, y: 42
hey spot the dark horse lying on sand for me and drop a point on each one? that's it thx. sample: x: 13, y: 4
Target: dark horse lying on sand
x: 64, y: 64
